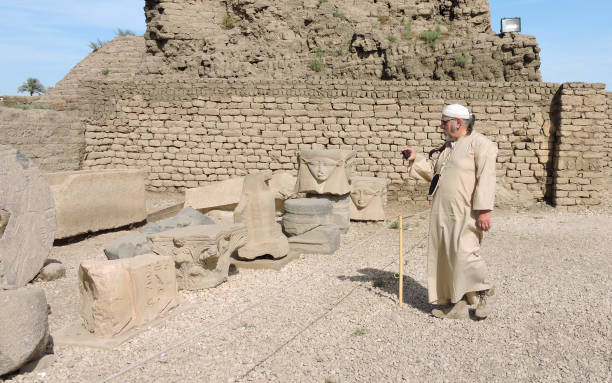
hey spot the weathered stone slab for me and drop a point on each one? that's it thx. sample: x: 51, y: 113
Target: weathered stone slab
x: 24, y: 327
x: 221, y: 195
x: 304, y: 214
x: 93, y: 200
x: 225, y: 195
x: 368, y: 198
x: 119, y: 295
x: 28, y: 216
x: 187, y: 216
x: 201, y: 253
x: 320, y: 240
x: 256, y: 211
x: 325, y: 171
x: 341, y: 209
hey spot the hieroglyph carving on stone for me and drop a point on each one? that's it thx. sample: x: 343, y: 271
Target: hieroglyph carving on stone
x: 367, y: 198
x: 121, y: 294
x: 201, y: 253
x: 256, y: 210
x: 325, y: 171
x: 28, y: 213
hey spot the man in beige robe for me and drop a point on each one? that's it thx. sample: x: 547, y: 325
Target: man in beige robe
x: 461, y: 211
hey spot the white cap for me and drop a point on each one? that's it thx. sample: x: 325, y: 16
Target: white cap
x: 456, y: 111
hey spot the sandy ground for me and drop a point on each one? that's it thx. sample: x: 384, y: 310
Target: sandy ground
x: 337, y: 319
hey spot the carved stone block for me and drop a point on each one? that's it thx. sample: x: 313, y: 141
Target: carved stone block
x: 121, y: 294
x: 325, y: 171
x: 93, y: 200
x: 368, y: 198
x: 27, y: 219
x: 257, y: 211
x: 341, y: 209
x: 201, y: 254
x: 304, y: 214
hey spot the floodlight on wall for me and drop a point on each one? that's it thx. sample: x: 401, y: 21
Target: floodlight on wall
x: 510, y: 24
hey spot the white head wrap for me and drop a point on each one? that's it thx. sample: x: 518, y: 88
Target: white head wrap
x: 456, y: 111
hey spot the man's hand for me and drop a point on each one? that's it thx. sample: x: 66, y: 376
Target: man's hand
x: 484, y: 220
x: 409, y: 154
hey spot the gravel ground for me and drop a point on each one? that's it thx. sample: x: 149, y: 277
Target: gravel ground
x: 337, y: 319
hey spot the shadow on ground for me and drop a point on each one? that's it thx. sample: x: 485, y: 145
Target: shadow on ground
x: 381, y: 281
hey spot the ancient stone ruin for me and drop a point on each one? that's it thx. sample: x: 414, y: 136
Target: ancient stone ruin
x: 367, y: 198
x: 201, y: 254
x: 28, y: 219
x: 119, y: 295
x: 257, y: 211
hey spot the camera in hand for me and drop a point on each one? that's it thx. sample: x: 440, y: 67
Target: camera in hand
x: 406, y: 153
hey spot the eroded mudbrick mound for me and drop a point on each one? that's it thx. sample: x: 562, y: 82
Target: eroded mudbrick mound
x: 27, y: 218
x: 385, y: 39
x: 299, y: 39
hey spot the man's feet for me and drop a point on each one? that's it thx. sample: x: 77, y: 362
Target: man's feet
x: 483, y: 309
x: 458, y: 311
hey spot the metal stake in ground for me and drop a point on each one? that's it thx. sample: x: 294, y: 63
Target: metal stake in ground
x: 401, y: 263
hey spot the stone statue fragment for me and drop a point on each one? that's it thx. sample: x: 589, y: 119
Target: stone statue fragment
x: 257, y: 211
x: 325, y: 171
x: 27, y: 219
x: 119, y: 295
x: 368, y: 198
x: 201, y: 254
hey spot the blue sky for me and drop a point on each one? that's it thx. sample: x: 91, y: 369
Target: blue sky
x: 45, y: 39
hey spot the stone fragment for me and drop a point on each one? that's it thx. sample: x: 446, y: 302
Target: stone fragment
x: 325, y: 171
x: 320, y: 240
x: 127, y: 246
x: 225, y: 195
x: 133, y: 244
x: 119, y: 295
x: 257, y: 212
x: 341, y: 209
x: 52, y: 270
x: 94, y: 200
x: 187, y: 216
x: 221, y: 216
x: 201, y: 253
x: 283, y: 184
x: 24, y: 327
x: 28, y: 217
x: 304, y: 214
x: 368, y: 198
x: 221, y: 195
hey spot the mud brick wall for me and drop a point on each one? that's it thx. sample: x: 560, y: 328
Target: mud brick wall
x: 187, y: 133
x: 581, y: 153
x: 54, y: 140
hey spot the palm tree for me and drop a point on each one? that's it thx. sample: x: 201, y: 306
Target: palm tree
x: 32, y: 85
